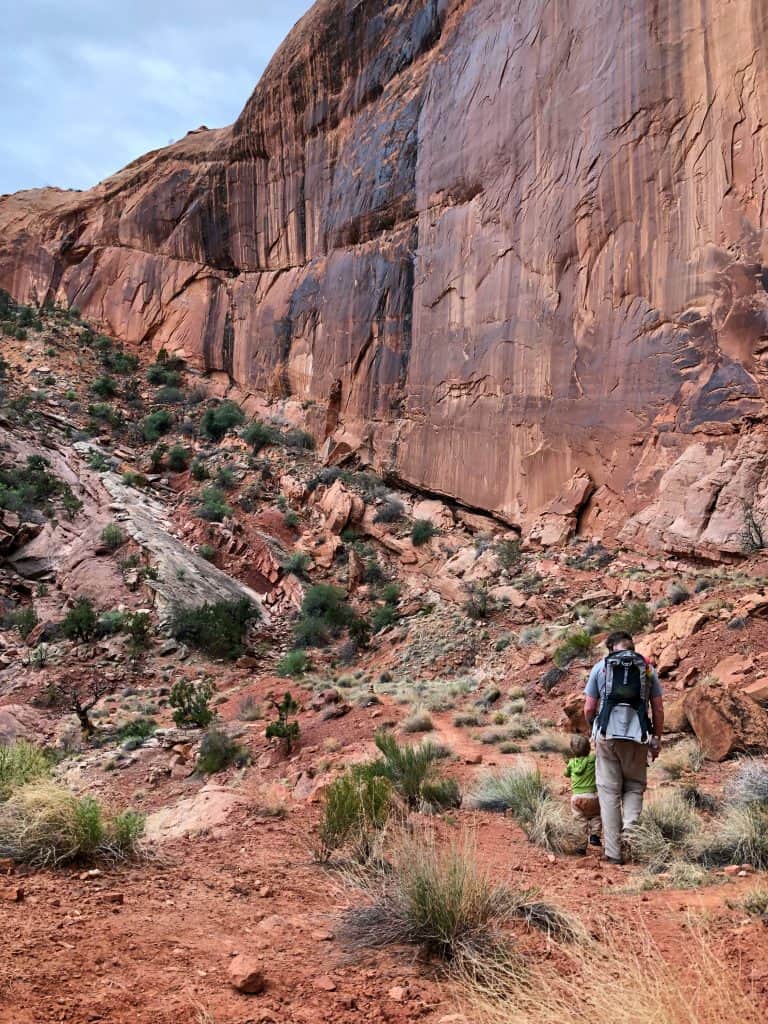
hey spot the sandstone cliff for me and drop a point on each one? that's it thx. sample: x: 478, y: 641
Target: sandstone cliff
x: 498, y: 244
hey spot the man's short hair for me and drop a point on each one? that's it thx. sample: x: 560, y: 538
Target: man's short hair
x: 619, y: 637
x: 580, y: 746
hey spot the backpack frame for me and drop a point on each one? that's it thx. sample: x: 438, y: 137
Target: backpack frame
x: 628, y: 682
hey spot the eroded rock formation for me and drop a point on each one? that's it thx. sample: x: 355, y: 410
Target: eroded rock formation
x: 499, y: 244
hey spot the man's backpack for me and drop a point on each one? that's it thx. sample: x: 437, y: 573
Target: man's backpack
x: 627, y: 681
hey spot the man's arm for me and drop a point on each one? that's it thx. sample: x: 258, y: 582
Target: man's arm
x: 592, y: 695
x: 657, y: 714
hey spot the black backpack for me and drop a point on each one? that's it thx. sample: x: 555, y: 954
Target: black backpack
x: 627, y: 681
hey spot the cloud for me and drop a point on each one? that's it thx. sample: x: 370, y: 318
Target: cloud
x: 87, y: 87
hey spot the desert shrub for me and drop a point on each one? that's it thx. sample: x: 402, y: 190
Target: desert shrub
x: 123, y: 363
x: 666, y: 832
x: 419, y: 720
x: 22, y: 619
x: 21, y: 762
x: 169, y: 396
x: 225, y: 477
x: 749, y: 785
x: 218, y: 751
x: 550, y: 743
x: 156, y: 424
x: 45, y: 825
x: 685, y: 756
x: 440, y: 900
x: 422, y: 531
x: 250, y: 710
x: 574, y: 645
x: 212, y: 505
x: 509, y: 553
x: 136, y: 729
x: 632, y: 619
x: 159, y: 375
x: 207, y: 551
x: 260, y: 435
x: 519, y: 790
x: 390, y: 510
x: 220, y: 419
x: 298, y: 563
x: 104, y: 387
x: 755, y: 902
x: 324, y: 614
x: 138, y: 626
x: 406, y: 767
x: 520, y: 727
x: 178, y: 458
x: 283, y: 728
x: 156, y: 457
x: 440, y: 794
x: 199, y: 471
x: 216, y: 629
x: 190, y: 703
x: 357, y: 808
x: 478, y: 604
x: 112, y: 537
x: 80, y: 622
x: 110, y: 623
x: 294, y: 663
x: 33, y: 487
x: 464, y: 719
x: 299, y: 440
x: 383, y: 616
x: 551, y: 678
x: 677, y: 593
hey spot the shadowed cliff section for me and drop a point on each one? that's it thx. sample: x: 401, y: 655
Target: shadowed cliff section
x: 509, y: 243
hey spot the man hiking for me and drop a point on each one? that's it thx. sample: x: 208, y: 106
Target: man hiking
x: 620, y: 689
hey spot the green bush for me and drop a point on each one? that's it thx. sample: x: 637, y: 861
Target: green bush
x: 156, y: 457
x: 225, y: 477
x: 260, y: 435
x: 112, y: 537
x: 33, y: 487
x: 158, y: 422
x: 509, y: 553
x: 81, y: 621
x: 389, y: 511
x: 123, y: 363
x: 199, y: 471
x: 218, y: 751
x: 20, y: 763
x: 207, y: 551
x: 419, y: 720
x: 178, y: 458
x: 291, y: 519
x: 216, y: 629
x: 422, y: 531
x: 159, y: 374
x: 283, y: 728
x: 212, y: 505
x: 440, y: 794
x: 45, y: 825
x: 324, y: 614
x: 169, y: 396
x: 138, y: 626
x: 136, y: 729
x: 298, y: 439
x: 632, y: 619
x: 190, y: 701
x: 297, y: 563
x: 357, y: 808
x: 574, y: 645
x: 478, y: 604
x: 104, y: 387
x: 220, y: 419
x: 110, y: 623
x: 22, y: 619
x: 294, y: 663
x: 740, y: 838
x: 406, y: 767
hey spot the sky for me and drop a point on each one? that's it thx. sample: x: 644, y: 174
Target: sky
x: 86, y: 86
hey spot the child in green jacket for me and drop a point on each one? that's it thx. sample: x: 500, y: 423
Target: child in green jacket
x: 584, y: 803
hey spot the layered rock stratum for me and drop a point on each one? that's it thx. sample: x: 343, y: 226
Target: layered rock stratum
x: 494, y: 247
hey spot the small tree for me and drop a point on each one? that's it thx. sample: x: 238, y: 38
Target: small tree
x: 81, y: 621
x: 191, y: 703
x: 283, y: 729
x: 80, y: 696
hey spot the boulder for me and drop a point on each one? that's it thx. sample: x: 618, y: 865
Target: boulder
x: 757, y: 690
x: 557, y: 523
x: 732, y: 670
x: 668, y: 659
x: 682, y: 624
x: 726, y: 721
x: 675, y: 717
x: 511, y: 595
x: 21, y: 722
x: 755, y: 605
x: 340, y: 507
x: 246, y: 974
x: 573, y: 709
x: 435, y: 511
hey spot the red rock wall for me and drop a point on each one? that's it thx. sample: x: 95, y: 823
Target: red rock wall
x: 527, y: 238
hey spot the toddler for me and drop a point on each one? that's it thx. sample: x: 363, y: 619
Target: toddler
x: 584, y: 803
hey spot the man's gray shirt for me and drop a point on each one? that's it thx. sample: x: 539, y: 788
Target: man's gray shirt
x: 624, y: 723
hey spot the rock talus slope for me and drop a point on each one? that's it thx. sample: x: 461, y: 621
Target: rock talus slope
x: 500, y: 245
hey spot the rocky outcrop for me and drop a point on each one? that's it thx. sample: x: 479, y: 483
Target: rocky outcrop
x: 493, y: 245
x: 726, y: 721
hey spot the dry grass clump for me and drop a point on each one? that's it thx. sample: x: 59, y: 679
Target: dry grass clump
x: 755, y: 902
x: 679, y: 874
x: 550, y: 743
x: 45, y: 825
x: 667, y: 831
x: 740, y: 837
x: 685, y: 756
x: 440, y: 900
x: 21, y: 762
x: 419, y: 720
x: 519, y: 790
x: 624, y: 979
x: 464, y: 719
x: 521, y: 727
x: 357, y: 808
x: 554, y: 829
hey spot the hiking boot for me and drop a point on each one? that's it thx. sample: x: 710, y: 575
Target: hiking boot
x: 594, y: 840
x: 613, y: 860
